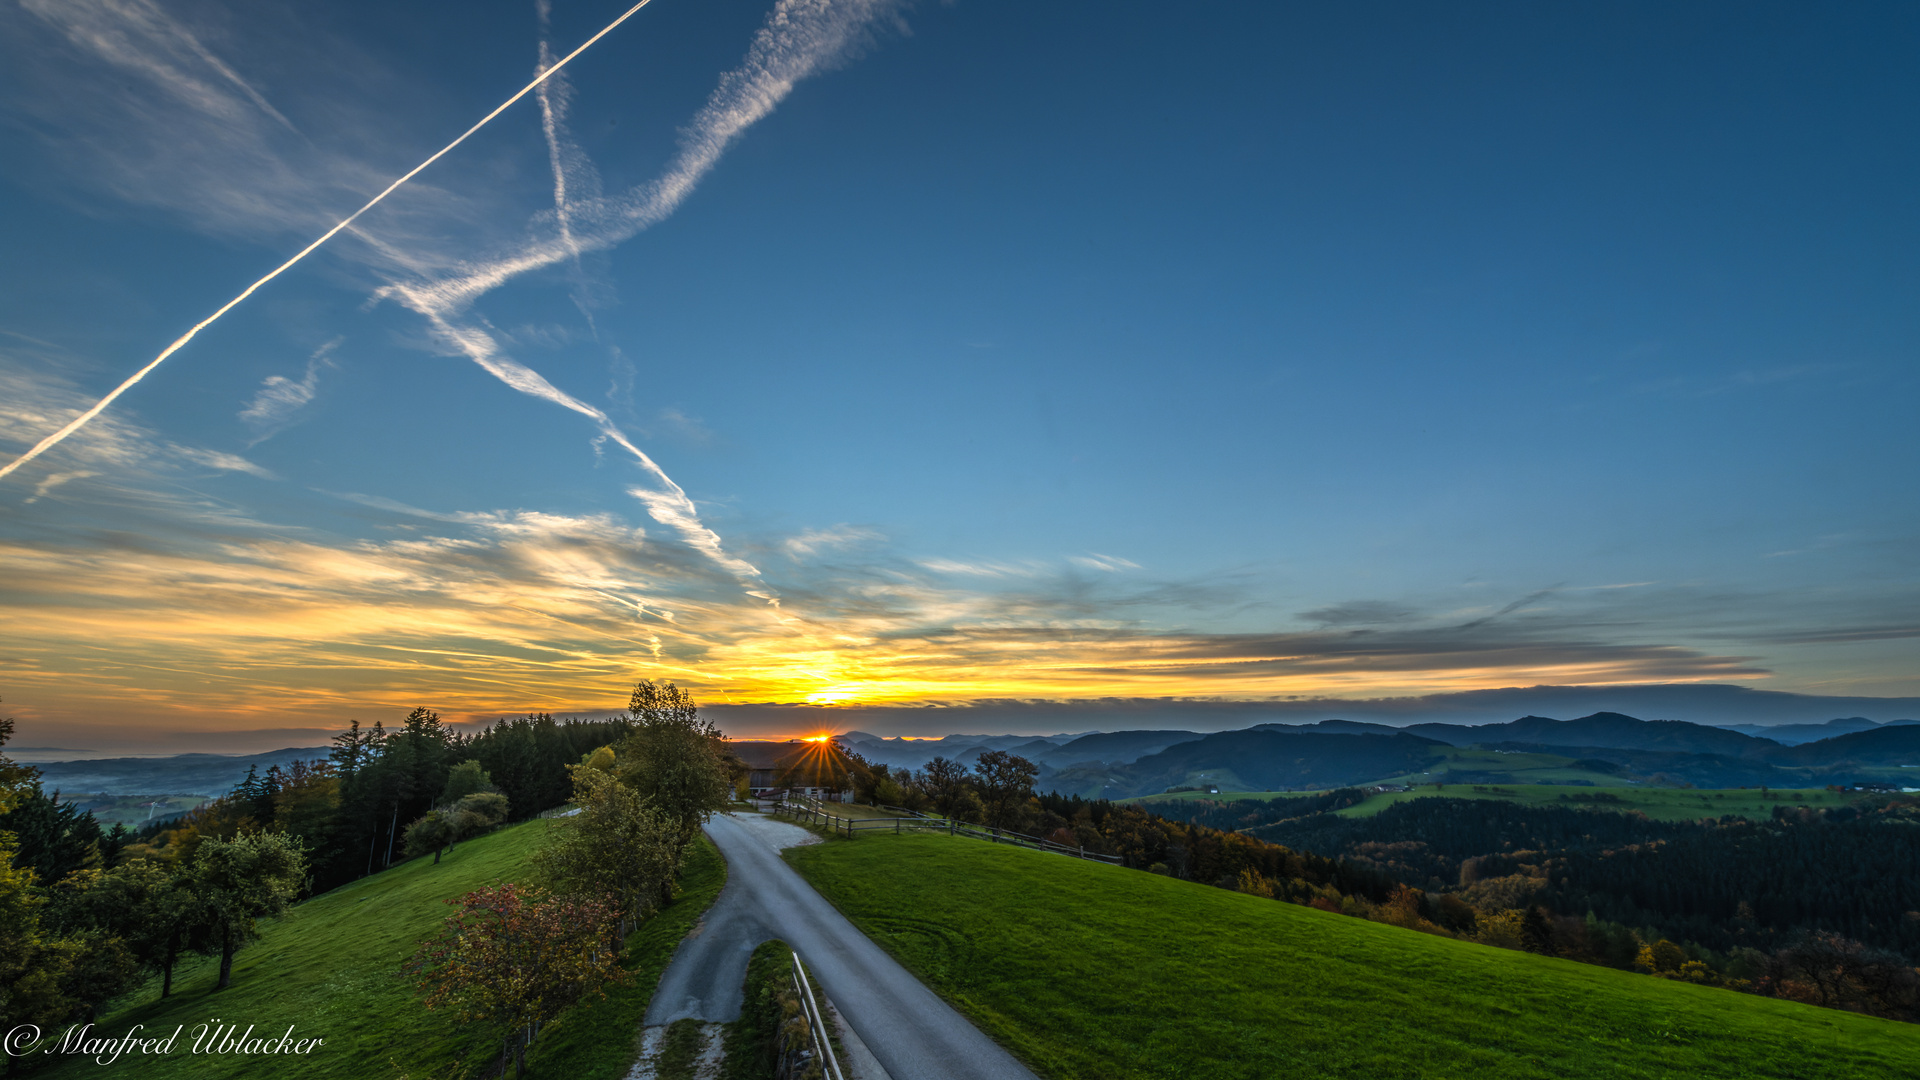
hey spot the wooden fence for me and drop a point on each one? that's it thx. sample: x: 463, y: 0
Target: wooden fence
x: 814, y: 813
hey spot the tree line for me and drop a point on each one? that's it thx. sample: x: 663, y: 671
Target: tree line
x: 1813, y: 904
x: 513, y: 958
x: 88, y: 913
x: 77, y: 929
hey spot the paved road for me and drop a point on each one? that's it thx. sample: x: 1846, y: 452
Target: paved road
x: 914, y: 1034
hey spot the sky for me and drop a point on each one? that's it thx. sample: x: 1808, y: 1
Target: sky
x: 866, y: 353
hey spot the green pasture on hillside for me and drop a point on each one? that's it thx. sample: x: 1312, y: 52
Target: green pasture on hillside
x: 331, y: 967
x: 133, y: 811
x: 1519, y: 768
x: 1093, y: 971
x: 1669, y: 804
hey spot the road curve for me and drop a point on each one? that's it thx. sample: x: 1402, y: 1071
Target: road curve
x: 913, y: 1034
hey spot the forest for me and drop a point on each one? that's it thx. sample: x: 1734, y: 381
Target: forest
x: 87, y: 914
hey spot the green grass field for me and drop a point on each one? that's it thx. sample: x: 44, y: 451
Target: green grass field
x: 133, y: 811
x: 1669, y: 804
x: 1093, y: 971
x: 332, y: 965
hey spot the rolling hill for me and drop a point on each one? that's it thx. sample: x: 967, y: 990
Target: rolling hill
x: 1267, y: 760
x: 1114, y: 746
x: 1088, y: 970
x: 195, y: 774
x: 1795, y: 734
x: 1608, y: 729
x: 331, y: 966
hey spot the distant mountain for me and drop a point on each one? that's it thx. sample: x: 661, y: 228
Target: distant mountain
x: 1795, y: 734
x: 1702, y: 703
x: 1114, y: 746
x: 1269, y: 760
x: 1670, y: 766
x: 1332, y: 727
x: 966, y: 749
x: 1033, y: 750
x: 1892, y: 745
x: 182, y: 774
x: 1335, y: 752
x: 1856, y: 757
x: 1609, y: 729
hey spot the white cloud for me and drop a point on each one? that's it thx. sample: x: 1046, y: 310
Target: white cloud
x: 54, y: 480
x: 817, y: 540
x: 279, y: 397
x: 981, y: 569
x: 1111, y: 564
x: 245, y: 174
x: 225, y: 462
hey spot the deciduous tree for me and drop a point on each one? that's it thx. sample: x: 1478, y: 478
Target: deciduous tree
x: 673, y: 758
x: 618, y: 846
x: 432, y: 832
x: 467, y: 778
x: 944, y: 780
x: 1006, y: 785
x: 147, y: 903
x: 513, y: 959
x: 241, y: 880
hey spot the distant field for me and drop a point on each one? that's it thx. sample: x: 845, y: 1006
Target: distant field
x: 132, y: 811
x: 1221, y: 796
x: 1475, y: 766
x: 1087, y: 970
x: 1518, y: 768
x: 331, y: 967
x: 1667, y: 804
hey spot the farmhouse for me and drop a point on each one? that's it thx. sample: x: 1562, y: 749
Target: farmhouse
x: 763, y: 758
x: 814, y: 769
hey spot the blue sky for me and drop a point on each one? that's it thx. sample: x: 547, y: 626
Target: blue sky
x: 1000, y: 350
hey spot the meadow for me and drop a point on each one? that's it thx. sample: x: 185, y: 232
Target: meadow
x: 1087, y: 970
x: 133, y: 811
x: 332, y: 968
x: 1667, y: 804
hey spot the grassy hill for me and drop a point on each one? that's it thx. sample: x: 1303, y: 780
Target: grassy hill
x: 1452, y: 765
x: 331, y: 967
x: 1087, y: 970
x: 1666, y: 804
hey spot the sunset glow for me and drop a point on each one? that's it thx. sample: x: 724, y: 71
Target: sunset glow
x: 617, y: 391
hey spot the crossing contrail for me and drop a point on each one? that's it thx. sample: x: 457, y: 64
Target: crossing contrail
x: 82, y: 420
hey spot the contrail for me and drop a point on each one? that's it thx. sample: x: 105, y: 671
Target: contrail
x: 81, y: 421
x: 799, y: 39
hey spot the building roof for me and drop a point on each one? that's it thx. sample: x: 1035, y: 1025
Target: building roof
x: 764, y: 754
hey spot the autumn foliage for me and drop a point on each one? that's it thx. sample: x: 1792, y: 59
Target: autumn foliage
x: 514, y: 958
